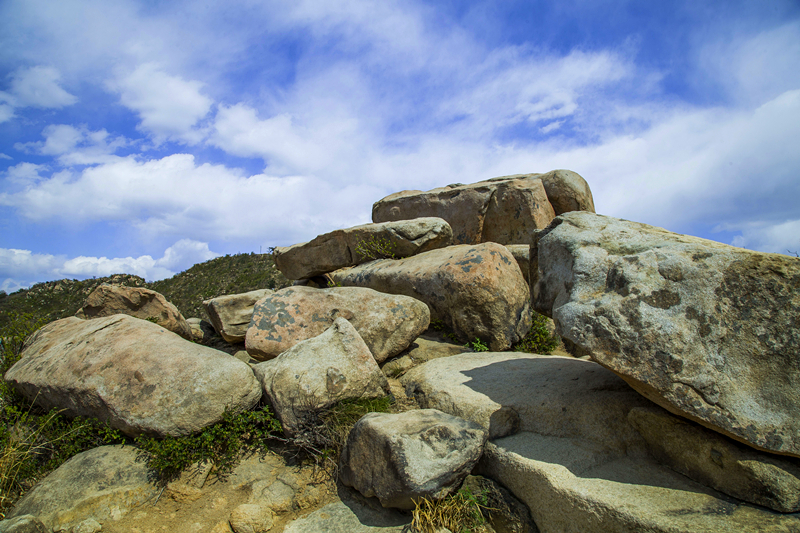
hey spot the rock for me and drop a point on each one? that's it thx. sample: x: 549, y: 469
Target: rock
x: 107, y: 300
x: 574, y: 458
x: 22, y: 524
x: 136, y: 375
x: 350, y: 517
x: 90, y: 525
x: 477, y: 291
x: 353, y: 246
x: 708, y: 331
x: 503, y: 210
x: 719, y: 462
x: 429, y: 345
x: 387, y: 323
x: 522, y: 253
x: 567, y: 191
x: 251, y: 518
x: 230, y: 315
x: 402, y: 458
x: 100, y: 484
x: 318, y: 372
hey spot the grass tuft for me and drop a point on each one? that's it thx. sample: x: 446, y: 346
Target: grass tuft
x: 462, y: 512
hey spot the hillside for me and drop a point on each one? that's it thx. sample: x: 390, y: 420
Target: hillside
x: 230, y: 274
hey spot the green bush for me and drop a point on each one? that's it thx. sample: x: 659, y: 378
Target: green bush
x: 376, y: 248
x: 539, y: 340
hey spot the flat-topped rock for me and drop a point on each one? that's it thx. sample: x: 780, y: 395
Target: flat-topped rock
x: 134, y: 374
x: 388, y: 323
x: 503, y: 210
x: 477, y: 291
x: 107, y: 300
x: 359, y: 244
x: 706, y: 330
x: 230, y: 315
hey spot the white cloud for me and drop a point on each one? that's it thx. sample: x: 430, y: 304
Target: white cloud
x: 5, y: 156
x: 75, y: 146
x: 763, y: 236
x: 169, y: 106
x: 24, y: 173
x: 38, y: 87
x: 21, y: 268
x: 6, y: 112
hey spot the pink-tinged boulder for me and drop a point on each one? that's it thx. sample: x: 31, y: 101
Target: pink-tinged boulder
x: 107, y: 300
x: 708, y: 331
x: 359, y: 244
x: 478, y: 291
x: 503, y: 210
x: 388, y: 323
x: 318, y: 372
x: 138, y: 376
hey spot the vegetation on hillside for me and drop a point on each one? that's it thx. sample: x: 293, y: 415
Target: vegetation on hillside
x: 230, y: 274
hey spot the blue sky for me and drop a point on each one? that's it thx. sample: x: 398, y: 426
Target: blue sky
x: 143, y: 137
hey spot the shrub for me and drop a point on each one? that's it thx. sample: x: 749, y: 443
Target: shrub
x: 477, y: 346
x: 376, y: 248
x: 539, y: 339
x: 462, y: 512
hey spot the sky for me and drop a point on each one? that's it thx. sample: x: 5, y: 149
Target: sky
x: 146, y: 136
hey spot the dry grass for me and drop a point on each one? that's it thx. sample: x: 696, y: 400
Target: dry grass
x: 461, y: 512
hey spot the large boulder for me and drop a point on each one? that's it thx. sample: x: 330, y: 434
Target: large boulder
x: 104, y: 483
x: 708, y: 331
x: 231, y: 314
x: 403, y: 458
x: 563, y: 443
x: 318, y: 372
x: 477, y: 291
x: 503, y: 210
x: 359, y: 244
x: 136, y: 375
x: 388, y: 323
x: 107, y: 300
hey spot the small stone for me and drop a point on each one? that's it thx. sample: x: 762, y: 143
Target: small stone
x: 251, y: 518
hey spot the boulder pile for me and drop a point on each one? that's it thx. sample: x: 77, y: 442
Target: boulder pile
x: 676, y: 409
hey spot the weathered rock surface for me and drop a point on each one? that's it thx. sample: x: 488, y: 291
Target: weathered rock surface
x: 107, y: 300
x: 429, y: 345
x: 719, y: 462
x: 388, y: 323
x: 503, y: 210
x: 522, y: 253
x: 402, y: 458
x: 477, y: 291
x: 359, y: 244
x: 706, y: 330
x: 251, y: 518
x: 231, y: 314
x: 350, y: 517
x: 136, y: 375
x: 104, y: 483
x: 318, y: 372
x: 22, y: 524
x: 570, y: 452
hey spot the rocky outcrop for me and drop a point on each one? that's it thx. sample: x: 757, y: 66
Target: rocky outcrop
x: 103, y: 483
x: 107, y: 300
x: 522, y: 254
x: 503, y: 210
x: 477, y: 291
x: 359, y: 244
x: 318, y: 372
x: 388, y: 323
x: 564, y: 445
x: 231, y: 314
x: 403, y: 458
x: 706, y: 330
x: 429, y: 345
x: 136, y: 375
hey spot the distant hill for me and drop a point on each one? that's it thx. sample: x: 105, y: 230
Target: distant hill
x: 230, y: 274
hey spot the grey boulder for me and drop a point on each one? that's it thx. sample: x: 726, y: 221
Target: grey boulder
x: 477, y: 291
x: 388, y: 323
x: 136, y: 375
x: 359, y: 244
x: 318, y: 372
x: 231, y: 314
x: 402, y: 458
x: 708, y: 331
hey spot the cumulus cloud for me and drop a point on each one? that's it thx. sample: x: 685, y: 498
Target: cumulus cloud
x: 39, y: 87
x: 762, y: 236
x: 169, y: 106
x: 21, y: 268
x: 75, y: 146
